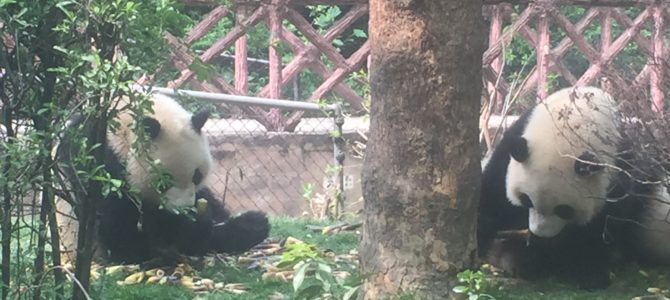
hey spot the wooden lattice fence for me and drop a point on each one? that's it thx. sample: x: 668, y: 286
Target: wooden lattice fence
x: 544, y: 25
x: 305, y: 55
x: 545, y: 14
x: 535, y: 24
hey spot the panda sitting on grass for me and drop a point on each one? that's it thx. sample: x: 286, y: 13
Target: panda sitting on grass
x: 565, y: 173
x: 143, y: 223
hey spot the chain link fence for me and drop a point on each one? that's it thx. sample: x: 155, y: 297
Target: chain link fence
x: 280, y: 173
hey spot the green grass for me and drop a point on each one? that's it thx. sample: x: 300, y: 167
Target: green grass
x: 339, y: 243
x: 628, y: 281
x: 106, y: 288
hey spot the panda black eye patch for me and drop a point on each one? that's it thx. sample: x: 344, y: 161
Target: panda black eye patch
x: 197, y: 177
x: 519, y: 149
x: 525, y: 201
x: 564, y: 212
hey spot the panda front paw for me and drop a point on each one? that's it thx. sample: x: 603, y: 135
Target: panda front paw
x: 514, y: 258
x: 240, y: 233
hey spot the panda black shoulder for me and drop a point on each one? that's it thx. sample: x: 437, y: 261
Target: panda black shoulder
x: 500, y: 156
x: 495, y: 211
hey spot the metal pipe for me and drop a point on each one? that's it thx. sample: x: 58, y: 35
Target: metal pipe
x: 246, y: 100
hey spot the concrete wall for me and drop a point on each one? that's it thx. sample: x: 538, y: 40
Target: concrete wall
x: 267, y: 170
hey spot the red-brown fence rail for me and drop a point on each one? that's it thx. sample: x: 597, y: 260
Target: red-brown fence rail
x: 305, y: 55
x: 541, y: 18
x: 534, y: 21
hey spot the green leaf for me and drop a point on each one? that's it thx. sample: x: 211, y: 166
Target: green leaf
x: 6, y: 2
x: 309, y: 292
x: 360, y: 33
x: 299, y: 276
x: 116, y: 183
x: 325, y: 268
x: 62, y: 6
x: 335, y: 134
x: 352, y: 293
x: 202, y: 70
x: 459, y: 289
x: 285, y: 263
x: 325, y: 279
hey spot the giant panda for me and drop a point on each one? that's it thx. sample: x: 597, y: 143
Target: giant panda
x: 557, y: 173
x: 141, y: 223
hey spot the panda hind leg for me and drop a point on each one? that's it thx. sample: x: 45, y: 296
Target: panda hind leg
x: 241, y: 233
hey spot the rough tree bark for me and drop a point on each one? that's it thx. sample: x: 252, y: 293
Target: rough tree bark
x: 422, y: 166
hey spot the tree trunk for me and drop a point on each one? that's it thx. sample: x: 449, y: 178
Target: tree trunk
x: 422, y: 165
x: 87, y: 232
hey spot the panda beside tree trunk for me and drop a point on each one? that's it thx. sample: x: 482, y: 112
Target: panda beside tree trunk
x: 566, y: 173
x: 162, y: 207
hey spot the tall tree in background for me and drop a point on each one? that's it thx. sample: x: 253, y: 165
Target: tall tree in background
x: 422, y: 165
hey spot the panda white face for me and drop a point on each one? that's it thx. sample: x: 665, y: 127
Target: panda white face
x: 557, y: 169
x: 553, y: 193
x: 177, y: 143
x: 184, y: 153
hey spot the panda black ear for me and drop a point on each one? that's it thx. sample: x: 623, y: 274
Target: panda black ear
x: 519, y: 149
x: 587, y: 164
x: 151, y: 127
x: 199, y: 119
